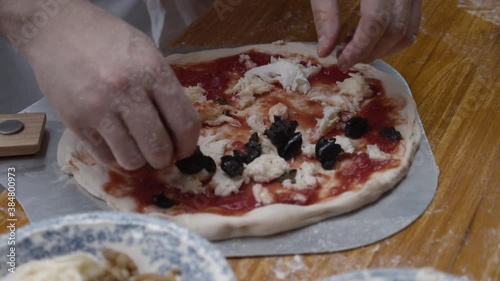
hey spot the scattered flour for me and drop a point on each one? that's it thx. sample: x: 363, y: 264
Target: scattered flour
x: 291, y: 269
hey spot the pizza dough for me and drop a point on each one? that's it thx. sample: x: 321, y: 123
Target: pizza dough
x: 74, y: 159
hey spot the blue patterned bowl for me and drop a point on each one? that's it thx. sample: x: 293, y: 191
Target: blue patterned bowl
x: 154, y: 244
x: 396, y: 274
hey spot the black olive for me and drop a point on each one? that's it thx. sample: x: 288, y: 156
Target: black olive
x: 327, y: 152
x: 356, y: 127
x: 253, y: 149
x: 253, y: 141
x: 163, y: 202
x: 292, y: 147
x: 232, y: 166
x: 329, y: 165
x: 281, y: 130
x: 193, y: 164
x: 390, y: 133
x: 209, y: 164
x: 241, y: 156
x: 252, y: 155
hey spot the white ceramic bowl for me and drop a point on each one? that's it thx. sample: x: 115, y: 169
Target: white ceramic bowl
x: 154, y: 244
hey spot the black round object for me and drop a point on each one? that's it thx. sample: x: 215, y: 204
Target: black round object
x: 163, y: 202
x: 292, y: 147
x: 390, y: 133
x: 327, y: 152
x: 209, y: 164
x: 193, y: 164
x: 11, y: 127
x: 356, y: 127
x: 232, y: 166
x: 252, y: 155
x: 281, y: 130
x: 328, y: 165
x: 241, y: 156
x: 253, y: 148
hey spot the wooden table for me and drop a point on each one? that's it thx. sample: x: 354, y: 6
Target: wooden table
x: 454, y: 72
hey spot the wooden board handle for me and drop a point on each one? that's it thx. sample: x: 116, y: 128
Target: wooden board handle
x: 27, y: 141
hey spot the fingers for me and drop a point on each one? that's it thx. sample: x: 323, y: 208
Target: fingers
x: 397, y: 29
x: 375, y: 18
x: 145, y: 126
x: 327, y: 20
x: 103, y: 154
x: 182, y: 120
x: 411, y: 35
x: 98, y: 147
x: 121, y: 143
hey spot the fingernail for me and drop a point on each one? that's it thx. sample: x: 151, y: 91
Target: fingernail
x: 134, y: 162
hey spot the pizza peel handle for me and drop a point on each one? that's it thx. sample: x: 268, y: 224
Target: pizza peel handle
x: 21, y: 134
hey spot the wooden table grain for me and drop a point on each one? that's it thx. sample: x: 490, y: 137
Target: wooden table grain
x: 453, y: 71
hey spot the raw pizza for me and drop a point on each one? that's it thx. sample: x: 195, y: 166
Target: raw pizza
x: 287, y: 140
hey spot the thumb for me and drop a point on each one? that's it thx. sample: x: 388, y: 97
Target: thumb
x: 327, y: 20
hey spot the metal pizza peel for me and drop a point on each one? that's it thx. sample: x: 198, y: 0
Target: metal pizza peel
x: 45, y: 192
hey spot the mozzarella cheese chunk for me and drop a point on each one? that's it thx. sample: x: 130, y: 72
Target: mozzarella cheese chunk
x: 280, y: 110
x: 304, y: 179
x: 246, y: 89
x: 348, y: 94
x: 266, y: 168
x: 225, y: 185
x: 326, y: 124
x: 215, y: 149
x: 310, y: 69
x: 196, y: 93
x: 77, y: 267
x: 345, y: 143
x: 256, y: 122
x: 221, y: 119
x: 329, y: 99
x: 375, y: 153
x: 291, y: 75
x: 262, y: 195
x: 308, y: 149
x: 192, y: 184
x: 354, y: 87
x: 267, y: 146
x: 300, y: 198
x: 249, y: 64
x: 208, y: 138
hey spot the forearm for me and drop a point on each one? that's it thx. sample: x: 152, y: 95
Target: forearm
x: 13, y: 12
x: 22, y: 20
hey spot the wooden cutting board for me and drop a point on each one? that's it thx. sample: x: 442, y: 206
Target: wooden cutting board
x: 28, y: 140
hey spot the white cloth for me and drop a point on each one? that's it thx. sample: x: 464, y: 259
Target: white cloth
x: 170, y: 17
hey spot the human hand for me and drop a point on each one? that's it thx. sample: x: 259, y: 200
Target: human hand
x: 112, y: 87
x: 385, y: 27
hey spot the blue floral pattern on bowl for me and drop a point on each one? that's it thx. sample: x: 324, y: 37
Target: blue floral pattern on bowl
x: 396, y: 274
x: 156, y: 245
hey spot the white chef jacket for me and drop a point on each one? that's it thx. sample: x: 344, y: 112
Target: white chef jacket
x: 170, y: 17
